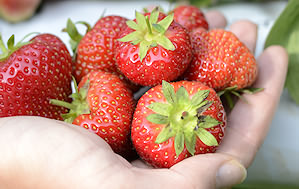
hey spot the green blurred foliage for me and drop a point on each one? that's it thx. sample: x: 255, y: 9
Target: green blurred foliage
x: 209, y: 3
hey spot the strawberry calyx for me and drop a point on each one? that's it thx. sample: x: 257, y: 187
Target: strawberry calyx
x: 229, y: 92
x: 75, y: 36
x: 151, y: 8
x: 183, y: 118
x: 11, y: 46
x: 79, y: 103
x: 149, y: 32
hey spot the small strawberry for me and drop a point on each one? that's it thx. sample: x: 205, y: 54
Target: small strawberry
x: 174, y: 121
x: 95, y: 50
x: 153, y: 48
x: 75, y: 39
x: 190, y: 17
x: 221, y: 60
x: 32, y: 73
x: 104, y: 105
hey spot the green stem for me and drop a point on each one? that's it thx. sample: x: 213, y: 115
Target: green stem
x: 62, y: 103
x: 22, y: 43
x: 229, y: 100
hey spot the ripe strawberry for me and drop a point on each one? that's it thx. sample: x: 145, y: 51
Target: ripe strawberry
x: 221, y: 60
x: 170, y: 126
x: 159, y: 49
x: 190, y: 17
x: 32, y: 73
x: 96, y: 49
x: 104, y: 105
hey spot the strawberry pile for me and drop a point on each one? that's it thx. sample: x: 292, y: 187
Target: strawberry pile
x: 175, y: 57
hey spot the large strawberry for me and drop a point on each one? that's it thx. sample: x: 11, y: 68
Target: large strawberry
x: 32, y: 73
x: 190, y: 17
x: 221, y: 60
x: 104, y: 105
x: 174, y: 121
x: 95, y: 50
x: 153, y: 48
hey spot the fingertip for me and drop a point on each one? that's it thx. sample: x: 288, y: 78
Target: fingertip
x: 246, y: 31
x: 281, y: 53
x: 273, y: 63
x: 230, y: 173
x: 204, y: 170
x: 216, y: 19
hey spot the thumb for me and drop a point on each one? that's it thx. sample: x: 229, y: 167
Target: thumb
x: 211, y: 171
x: 198, y: 172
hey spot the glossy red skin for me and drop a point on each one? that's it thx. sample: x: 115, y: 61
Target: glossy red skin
x: 34, y: 74
x: 111, y: 106
x: 96, y: 49
x: 159, y: 63
x: 144, y: 133
x: 190, y: 17
x: 221, y: 60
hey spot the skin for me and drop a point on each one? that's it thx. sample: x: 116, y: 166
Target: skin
x: 42, y: 153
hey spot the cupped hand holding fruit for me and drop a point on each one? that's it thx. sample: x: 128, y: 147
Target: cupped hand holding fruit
x: 41, y: 150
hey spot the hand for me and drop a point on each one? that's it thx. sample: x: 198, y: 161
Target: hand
x: 42, y: 153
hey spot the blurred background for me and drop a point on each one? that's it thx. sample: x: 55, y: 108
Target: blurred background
x: 276, y: 164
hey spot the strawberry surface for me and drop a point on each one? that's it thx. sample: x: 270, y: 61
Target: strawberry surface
x: 221, y: 60
x: 34, y: 73
x: 96, y: 49
x: 190, y: 17
x: 104, y: 105
x: 155, y: 136
x: 159, y: 49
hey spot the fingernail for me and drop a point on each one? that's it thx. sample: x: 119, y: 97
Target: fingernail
x: 230, y: 174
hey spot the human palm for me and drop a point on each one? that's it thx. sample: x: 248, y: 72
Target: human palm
x: 42, y: 153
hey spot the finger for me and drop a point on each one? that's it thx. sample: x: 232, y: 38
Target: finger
x: 246, y: 31
x: 216, y: 19
x: 249, y: 122
x: 140, y: 164
x: 201, y: 171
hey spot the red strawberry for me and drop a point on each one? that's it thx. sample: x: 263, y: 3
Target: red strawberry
x: 190, y: 17
x: 96, y: 49
x: 31, y: 74
x: 221, y: 60
x: 159, y: 49
x: 104, y: 105
x: 177, y: 120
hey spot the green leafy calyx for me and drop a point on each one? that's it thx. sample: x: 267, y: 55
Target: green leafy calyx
x: 79, y: 103
x: 228, y: 92
x: 183, y: 118
x: 75, y: 36
x: 149, y: 32
x: 11, y: 46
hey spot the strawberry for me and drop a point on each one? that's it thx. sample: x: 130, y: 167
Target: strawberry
x: 104, y: 105
x: 32, y: 73
x: 159, y: 49
x: 95, y: 50
x: 175, y: 120
x: 221, y: 60
x: 190, y: 17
